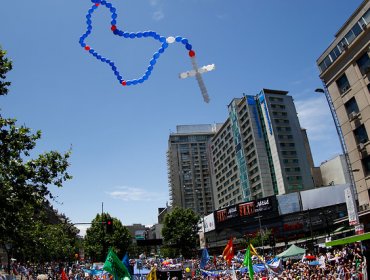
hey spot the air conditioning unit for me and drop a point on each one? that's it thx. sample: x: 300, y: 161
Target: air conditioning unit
x: 352, y: 116
x: 361, y: 146
x: 345, y: 88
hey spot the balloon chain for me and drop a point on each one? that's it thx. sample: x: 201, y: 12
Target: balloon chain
x: 132, y: 35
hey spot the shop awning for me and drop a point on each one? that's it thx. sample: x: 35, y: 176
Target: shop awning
x: 349, y: 239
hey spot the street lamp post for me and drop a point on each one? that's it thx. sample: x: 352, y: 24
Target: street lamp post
x: 353, y: 193
x: 8, y: 247
x: 259, y: 221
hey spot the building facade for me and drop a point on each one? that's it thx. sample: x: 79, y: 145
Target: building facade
x: 344, y: 69
x: 189, y: 172
x: 286, y: 142
x: 260, y: 150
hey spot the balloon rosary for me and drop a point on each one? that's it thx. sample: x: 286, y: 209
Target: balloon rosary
x: 145, y: 34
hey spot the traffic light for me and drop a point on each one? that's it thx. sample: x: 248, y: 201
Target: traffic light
x: 109, y: 226
x: 272, y: 240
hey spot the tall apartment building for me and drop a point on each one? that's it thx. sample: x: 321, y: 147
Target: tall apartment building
x: 189, y: 173
x: 260, y: 150
x: 344, y: 69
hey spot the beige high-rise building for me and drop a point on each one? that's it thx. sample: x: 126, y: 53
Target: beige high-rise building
x: 189, y: 173
x: 344, y: 70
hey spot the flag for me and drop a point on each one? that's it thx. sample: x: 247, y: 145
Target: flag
x: 152, y: 275
x: 126, y: 261
x: 204, y: 259
x: 228, y: 252
x: 64, y: 275
x: 115, y: 267
x: 248, y: 262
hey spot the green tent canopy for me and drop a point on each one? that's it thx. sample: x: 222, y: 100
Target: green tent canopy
x: 347, y: 240
x: 292, y: 251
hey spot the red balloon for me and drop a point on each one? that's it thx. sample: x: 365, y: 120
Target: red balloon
x: 191, y: 53
x: 97, y: 4
x: 113, y: 27
x: 87, y: 48
x: 123, y: 83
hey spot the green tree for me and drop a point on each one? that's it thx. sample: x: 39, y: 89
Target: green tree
x: 24, y: 181
x: 180, y: 232
x: 97, y: 240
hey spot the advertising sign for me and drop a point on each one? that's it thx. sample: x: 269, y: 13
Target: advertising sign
x: 351, y: 207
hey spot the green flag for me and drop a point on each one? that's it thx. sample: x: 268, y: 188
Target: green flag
x: 115, y: 267
x: 248, y: 262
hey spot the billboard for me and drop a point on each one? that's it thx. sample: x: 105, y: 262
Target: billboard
x: 209, y: 223
x: 245, y: 209
x: 324, y: 196
x: 288, y: 203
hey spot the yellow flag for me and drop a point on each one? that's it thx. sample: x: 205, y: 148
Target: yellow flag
x: 152, y: 274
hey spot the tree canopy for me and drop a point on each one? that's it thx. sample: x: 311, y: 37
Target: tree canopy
x: 25, y: 181
x: 98, y: 240
x: 180, y: 232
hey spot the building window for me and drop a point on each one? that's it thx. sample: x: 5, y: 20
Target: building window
x: 361, y: 134
x: 363, y: 64
x: 351, y: 106
x: 343, y: 84
x: 366, y: 165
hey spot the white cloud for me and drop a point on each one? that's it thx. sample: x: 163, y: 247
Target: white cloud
x: 136, y: 194
x: 158, y: 15
x: 314, y: 115
x: 154, y: 2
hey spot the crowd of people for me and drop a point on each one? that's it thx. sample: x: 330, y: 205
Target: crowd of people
x: 347, y: 262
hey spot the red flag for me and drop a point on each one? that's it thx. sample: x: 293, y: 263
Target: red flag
x: 64, y: 275
x: 228, y: 252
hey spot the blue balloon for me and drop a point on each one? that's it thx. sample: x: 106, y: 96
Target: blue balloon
x: 114, y: 16
x: 184, y: 41
x: 132, y: 35
x: 188, y: 47
x: 178, y: 39
x: 126, y: 34
x: 153, y: 61
x: 156, y: 55
x: 139, y: 34
x: 164, y: 45
x: 113, y: 22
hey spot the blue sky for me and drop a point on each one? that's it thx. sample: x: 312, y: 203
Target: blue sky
x: 119, y: 134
